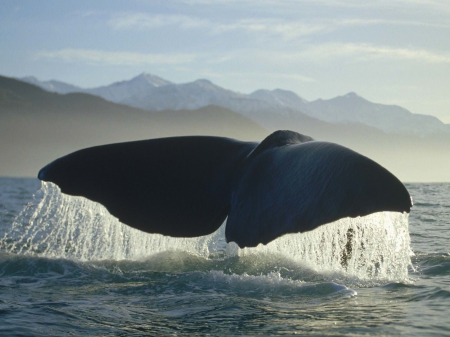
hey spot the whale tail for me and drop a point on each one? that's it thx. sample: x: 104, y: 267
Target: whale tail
x: 187, y: 186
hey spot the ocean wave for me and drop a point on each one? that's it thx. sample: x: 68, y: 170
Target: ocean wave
x: 192, y: 274
x: 432, y: 263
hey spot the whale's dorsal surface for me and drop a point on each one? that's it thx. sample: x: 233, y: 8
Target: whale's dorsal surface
x: 187, y: 186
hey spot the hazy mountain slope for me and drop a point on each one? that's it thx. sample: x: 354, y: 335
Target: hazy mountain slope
x: 37, y: 126
x: 114, y: 92
x: 409, y: 157
x: 279, y: 97
x: 388, y: 118
x: 150, y: 92
x: 52, y: 85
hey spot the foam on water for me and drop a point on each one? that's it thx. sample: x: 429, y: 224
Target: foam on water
x: 61, y: 226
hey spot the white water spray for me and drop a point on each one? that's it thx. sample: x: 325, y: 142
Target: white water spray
x: 61, y: 226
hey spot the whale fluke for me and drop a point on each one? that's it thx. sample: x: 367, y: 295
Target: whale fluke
x: 178, y: 186
x: 296, y: 187
x: 187, y: 186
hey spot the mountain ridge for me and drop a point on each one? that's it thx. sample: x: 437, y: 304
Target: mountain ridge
x: 37, y: 126
x: 150, y: 92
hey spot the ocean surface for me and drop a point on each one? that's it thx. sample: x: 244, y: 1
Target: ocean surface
x: 68, y: 268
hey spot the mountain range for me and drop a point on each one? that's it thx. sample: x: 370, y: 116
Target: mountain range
x: 37, y: 126
x: 150, y: 92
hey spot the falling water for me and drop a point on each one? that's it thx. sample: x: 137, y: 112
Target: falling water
x: 61, y: 226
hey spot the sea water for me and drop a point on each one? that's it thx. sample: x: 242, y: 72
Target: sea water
x: 68, y: 268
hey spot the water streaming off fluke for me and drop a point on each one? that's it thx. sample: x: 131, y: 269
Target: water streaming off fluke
x: 60, y: 226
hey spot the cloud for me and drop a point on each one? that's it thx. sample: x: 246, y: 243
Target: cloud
x: 125, y: 21
x: 371, y: 22
x: 286, y: 29
x: 365, y: 51
x: 314, y: 53
x: 273, y: 27
x: 293, y: 29
x: 440, y: 4
x: 283, y: 28
x: 263, y: 28
x: 114, y: 58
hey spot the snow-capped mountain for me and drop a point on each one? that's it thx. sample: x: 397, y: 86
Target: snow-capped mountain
x: 114, y: 92
x: 150, y: 92
x: 263, y: 105
x: 120, y: 91
x: 195, y: 95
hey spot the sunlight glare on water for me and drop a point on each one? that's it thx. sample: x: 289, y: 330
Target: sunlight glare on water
x: 60, y: 226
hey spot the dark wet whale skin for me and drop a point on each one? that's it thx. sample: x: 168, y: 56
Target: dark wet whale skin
x: 187, y: 186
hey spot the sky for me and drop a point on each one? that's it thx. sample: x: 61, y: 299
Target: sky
x: 387, y: 51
